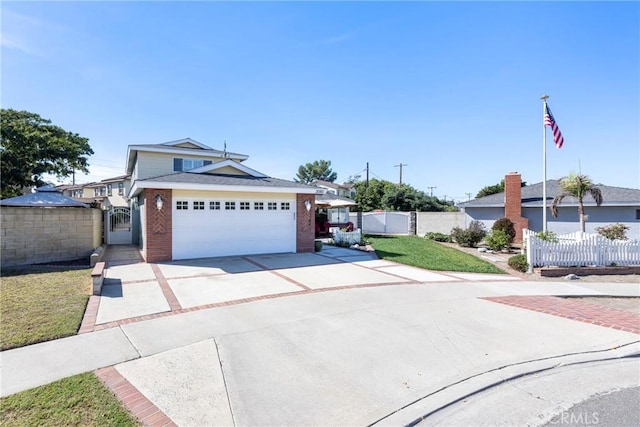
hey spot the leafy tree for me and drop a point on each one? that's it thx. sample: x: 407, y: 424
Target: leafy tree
x: 318, y: 170
x: 577, y: 186
x: 371, y: 197
x: 30, y: 147
x: 494, y: 189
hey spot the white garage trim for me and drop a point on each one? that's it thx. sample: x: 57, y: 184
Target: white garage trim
x: 205, y: 225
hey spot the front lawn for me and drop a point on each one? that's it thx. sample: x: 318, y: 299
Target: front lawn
x: 41, y: 304
x: 80, y: 400
x: 425, y: 253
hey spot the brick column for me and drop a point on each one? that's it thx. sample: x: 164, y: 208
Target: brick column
x: 305, y: 223
x: 513, y: 203
x: 412, y: 222
x: 159, y: 230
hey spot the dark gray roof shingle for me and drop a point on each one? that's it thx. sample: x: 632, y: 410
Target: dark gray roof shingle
x: 532, y: 197
x: 223, y: 179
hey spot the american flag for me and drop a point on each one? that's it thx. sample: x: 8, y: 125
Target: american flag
x: 551, y: 122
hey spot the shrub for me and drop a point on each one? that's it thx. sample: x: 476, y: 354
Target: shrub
x: 614, y: 231
x: 518, y: 263
x: 471, y: 236
x: 438, y: 237
x: 505, y: 225
x: 548, y: 236
x: 498, y: 240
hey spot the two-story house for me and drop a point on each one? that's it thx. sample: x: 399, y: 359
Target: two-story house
x: 194, y: 201
x: 343, y: 190
x: 108, y: 193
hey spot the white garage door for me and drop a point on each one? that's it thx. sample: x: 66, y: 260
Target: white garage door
x: 222, y: 227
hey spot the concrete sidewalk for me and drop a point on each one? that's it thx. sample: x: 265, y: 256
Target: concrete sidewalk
x: 335, y: 355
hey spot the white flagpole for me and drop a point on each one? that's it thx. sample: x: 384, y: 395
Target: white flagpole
x: 544, y: 164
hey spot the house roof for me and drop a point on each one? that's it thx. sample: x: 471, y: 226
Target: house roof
x: 331, y: 184
x: 44, y: 197
x: 222, y: 182
x: 198, y: 149
x: 532, y: 197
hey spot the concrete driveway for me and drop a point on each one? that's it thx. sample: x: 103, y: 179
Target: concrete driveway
x: 337, y: 338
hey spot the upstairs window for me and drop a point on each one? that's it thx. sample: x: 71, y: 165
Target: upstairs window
x: 180, y: 165
x: 109, y: 190
x: 120, y: 188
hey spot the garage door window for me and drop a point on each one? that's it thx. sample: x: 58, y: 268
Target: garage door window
x: 245, y: 206
x: 230, y: 206
x: 181, y: 205
x: 272, y: 206
x: 198, y: 206
x: 259, y: 206
x: 285, y: 206
x: 214, y: 206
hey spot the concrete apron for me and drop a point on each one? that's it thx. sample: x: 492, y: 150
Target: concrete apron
x: 350, y: 358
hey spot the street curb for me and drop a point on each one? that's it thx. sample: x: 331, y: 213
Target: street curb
x: 420, y: 409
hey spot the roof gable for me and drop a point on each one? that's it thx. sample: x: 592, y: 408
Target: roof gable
x: 228, y: 167
x: 187, y: 143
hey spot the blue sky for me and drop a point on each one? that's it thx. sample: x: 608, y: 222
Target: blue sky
x: 451, y: 89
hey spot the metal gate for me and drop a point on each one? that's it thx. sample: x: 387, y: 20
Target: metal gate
x: 119, y: 226
x: 383, y: 222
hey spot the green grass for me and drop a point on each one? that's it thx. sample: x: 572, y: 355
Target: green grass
x: 41, y: 304
x: 425, y: 253
x: 80, y: 400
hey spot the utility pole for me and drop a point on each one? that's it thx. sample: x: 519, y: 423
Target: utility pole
x: 367, y: 184
x: 468, y: 196
x: 400, y: 166
x: 431, y: 191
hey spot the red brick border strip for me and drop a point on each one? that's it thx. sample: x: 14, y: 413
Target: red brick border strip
x: 571, y: 308
x: 90, y: 315
x: 171, y: 298
x: 135, y: 402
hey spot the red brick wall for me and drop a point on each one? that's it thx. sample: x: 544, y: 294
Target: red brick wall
x: 157, y: 245
x: 305, y: 223
x: 513, y: 203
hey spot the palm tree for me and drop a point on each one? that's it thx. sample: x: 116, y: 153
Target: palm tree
x: 576, y: 186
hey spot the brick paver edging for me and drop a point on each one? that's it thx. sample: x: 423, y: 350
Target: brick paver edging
x: 135, y: 402
x: 571, y: 308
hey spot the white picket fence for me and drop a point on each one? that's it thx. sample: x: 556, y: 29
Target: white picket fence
x: 383, y: 222
x: 580, y: 249
x: 350, y: 237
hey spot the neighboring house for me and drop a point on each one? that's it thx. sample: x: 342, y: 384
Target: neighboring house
x: 343, y: 190
x: 523, y: 206
x: 108, y: 193
x: 194, y: 201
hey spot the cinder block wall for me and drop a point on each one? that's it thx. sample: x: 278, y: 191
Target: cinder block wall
x: 36, y: 235
x: 439, y: 222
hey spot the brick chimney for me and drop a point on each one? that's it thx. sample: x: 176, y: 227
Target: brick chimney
x: 513, y: 203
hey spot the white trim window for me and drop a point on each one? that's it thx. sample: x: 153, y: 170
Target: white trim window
x: 180, y: 164
x: 120, y: 188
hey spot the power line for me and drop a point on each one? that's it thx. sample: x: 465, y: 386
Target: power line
x: 400, y: 166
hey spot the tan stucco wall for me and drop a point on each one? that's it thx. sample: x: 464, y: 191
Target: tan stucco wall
x: 36, y: 235
x: 439, y: 222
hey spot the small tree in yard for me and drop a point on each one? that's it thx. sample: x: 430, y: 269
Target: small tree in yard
x: 505, y: 225
x: 471, y: 236
x: 498, y: 240
x: 577, y: 186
